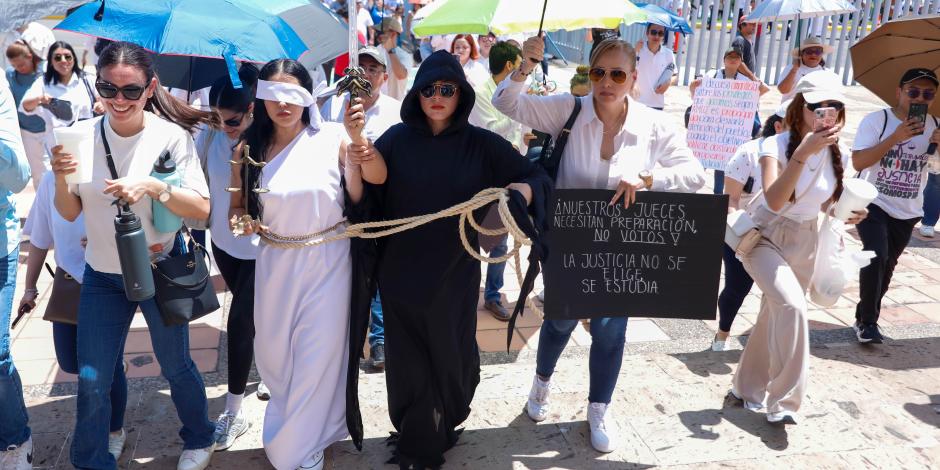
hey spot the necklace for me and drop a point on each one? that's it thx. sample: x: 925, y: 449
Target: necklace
x: 619, y: 126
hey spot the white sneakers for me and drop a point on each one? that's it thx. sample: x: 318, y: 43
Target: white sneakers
x: 782, y: 417
x: 116, y: 442
x: 927, y: 231
x: 195, y: 459
x: 315, y: 462
x: 19, y: 457
x: 537, y: 406
x: 603, y: 439
x: 263, y: 393
x: 749, y: 405
x: 719, y: 345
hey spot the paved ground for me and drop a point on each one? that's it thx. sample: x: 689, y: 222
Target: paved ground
x: 872, y: 407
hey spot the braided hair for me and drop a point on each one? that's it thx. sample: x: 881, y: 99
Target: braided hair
x: 795, y: 124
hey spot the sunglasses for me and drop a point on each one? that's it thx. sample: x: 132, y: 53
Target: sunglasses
x: 813, y: 51
x: 914, y: 93
x: 447, y: 90
x: 62, y: 58
x: 234, y: 122
x: 597, y: 74
x: 109, y: 90
x: 825, y: 104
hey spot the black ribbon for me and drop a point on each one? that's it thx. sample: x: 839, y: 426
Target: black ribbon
x: 537, y: 253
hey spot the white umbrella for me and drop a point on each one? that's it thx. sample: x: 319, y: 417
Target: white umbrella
x: 799, y: 9
x: 16, y: 13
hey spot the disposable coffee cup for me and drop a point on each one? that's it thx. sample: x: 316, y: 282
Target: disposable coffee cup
x: 80, y: 142
x: 857, y: 194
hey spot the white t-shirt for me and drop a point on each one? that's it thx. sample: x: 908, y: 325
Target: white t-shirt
x: 649, y: 67
x: 218, y: 151
x: 385, y: 113
x: 901, y: 174
x: 476, y: 74
x: 720, y: 74
x: 810, y: 200
x: 394, y: 87
x: 133, y: 156
x: 800, y: 73
x: 47, y: 229
x: 364, y: 21
x: 744, y: 164
x: 74, y: 92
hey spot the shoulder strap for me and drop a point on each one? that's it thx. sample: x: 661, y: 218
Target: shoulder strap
x: 760, y: 194
x: 565, y: 131
x: 91, y: 94
x: 884, y: 125
x: 107, y: 151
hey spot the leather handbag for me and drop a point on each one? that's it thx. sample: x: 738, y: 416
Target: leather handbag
x: 63, y: 301
x: 184, y: 291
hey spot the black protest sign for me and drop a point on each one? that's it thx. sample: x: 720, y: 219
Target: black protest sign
x: 661, y: 257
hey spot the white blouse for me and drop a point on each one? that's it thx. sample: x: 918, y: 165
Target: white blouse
x: 75, y: 92
x: 648, y: 141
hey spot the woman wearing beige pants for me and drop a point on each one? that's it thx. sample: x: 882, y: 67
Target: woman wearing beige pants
x: 802, y: 174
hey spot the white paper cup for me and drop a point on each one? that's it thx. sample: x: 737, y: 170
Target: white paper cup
x: 80, y: 142
x: 857, y: 194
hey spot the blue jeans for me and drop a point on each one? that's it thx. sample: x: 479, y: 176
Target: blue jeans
x: 13, y: 419
x: 104, y: 318
x: 608, y: 336
x: 719, y: 182
x: 377, y: 327
x: 931, y: 200
x: 65, y: 339
x: 494, y: 273
x: 737, y: 285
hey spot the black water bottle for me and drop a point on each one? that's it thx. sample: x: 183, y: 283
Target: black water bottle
x: 133, y: 254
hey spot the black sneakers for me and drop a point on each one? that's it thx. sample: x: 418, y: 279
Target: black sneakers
x: 378, y: 356
x: 868, y: 333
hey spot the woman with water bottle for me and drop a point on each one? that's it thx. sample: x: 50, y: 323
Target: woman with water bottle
x: 142, y: 124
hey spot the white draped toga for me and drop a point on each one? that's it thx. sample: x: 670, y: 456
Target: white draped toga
x: 302, y: 301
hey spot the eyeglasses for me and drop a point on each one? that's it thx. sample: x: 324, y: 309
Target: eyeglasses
x: 914, y: 93
x: 109, y: 90
x: 656, y: 32
x: 813, y: 51
x: 825, y: 104
x: 447, y: 90
x: 62, y: 58
x: 374, y: 70
x: 597, y: 74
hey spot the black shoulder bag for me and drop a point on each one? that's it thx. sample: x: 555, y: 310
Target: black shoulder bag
x: 550, y: 158
x: 183, y: 290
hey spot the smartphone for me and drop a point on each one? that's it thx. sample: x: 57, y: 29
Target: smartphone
x: 20, y: 314
x: 918, y: 111
x: 749, y: 185
x: 825, y: 118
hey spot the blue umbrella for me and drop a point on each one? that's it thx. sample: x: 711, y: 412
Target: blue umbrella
x: 233, y: 30
x: 665, y: 18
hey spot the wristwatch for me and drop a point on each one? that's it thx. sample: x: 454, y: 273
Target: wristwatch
x: 164, y: 195
x: 647, y: 177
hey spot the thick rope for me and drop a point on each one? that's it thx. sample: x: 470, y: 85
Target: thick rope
x: 390, y: 227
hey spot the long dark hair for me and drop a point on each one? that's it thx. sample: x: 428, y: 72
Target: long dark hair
x: 794, y: 122
x: 224, y: 95
x: 769, y: 130
x: 161, y: 103
x: 51, y: 76
x: 260, y: 133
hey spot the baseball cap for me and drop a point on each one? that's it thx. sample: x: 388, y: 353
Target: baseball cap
x: 733, y: 50
x: 917, y: 74
x: 743, y: 19
x: 390, y: 23
x: 374, y: 53
x: 821, y: 85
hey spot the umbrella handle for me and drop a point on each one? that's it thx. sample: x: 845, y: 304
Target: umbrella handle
x: 541, y: 23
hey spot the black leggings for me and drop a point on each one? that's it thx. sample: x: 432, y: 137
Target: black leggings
x: 239, y: 276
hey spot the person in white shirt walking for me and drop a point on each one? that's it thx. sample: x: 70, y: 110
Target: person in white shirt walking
x: 892, y: 149
x: 808, y: 58
x: 615, y: 143
x: 655, y: 68
x: 396, y: 61
x: 504, y: 58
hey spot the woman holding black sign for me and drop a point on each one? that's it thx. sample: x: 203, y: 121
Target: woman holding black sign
x: 141, y: 122
x: 615, y: 143
x: 801, y: 173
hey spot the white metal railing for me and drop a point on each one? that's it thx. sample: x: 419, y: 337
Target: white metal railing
x: 714, y: 24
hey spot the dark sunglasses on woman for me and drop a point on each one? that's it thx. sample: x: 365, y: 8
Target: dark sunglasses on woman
x: 62, y: 58
x: 447, y: 90
x: 825, y: 104
x: 597, y: 74
x: 234, y: 122
x: 109, y: 90
x: 656, y: 32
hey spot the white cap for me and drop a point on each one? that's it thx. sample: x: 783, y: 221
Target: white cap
x: 821, y: 85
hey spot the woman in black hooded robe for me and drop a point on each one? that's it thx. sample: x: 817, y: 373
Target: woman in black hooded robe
x: 430, y: 284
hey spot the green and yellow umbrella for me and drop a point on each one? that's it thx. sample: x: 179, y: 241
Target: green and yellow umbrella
x: 520, y: 16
